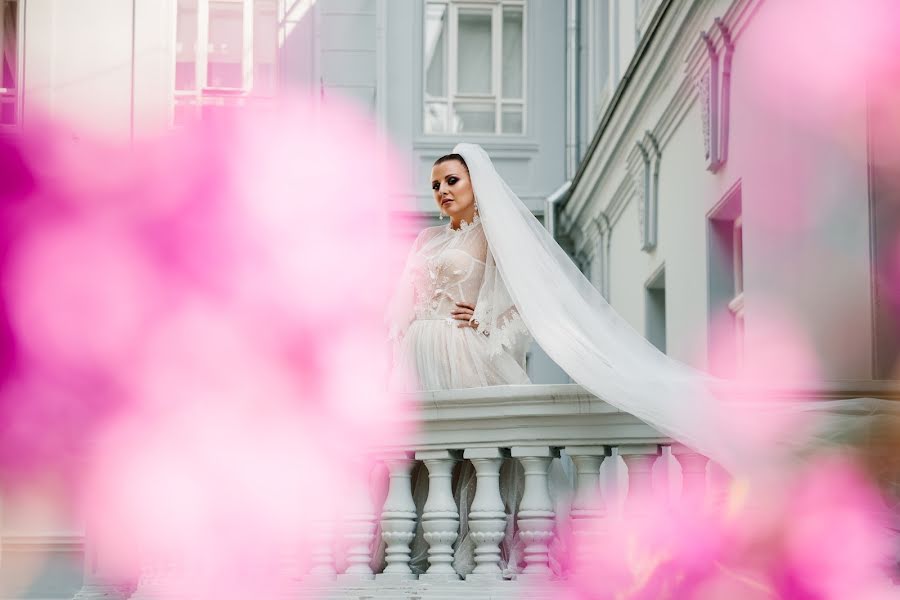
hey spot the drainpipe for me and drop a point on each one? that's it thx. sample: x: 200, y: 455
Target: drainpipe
x: 550, y: 210
x: 573, y: 87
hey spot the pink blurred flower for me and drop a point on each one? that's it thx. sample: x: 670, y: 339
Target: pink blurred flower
x: 818, y: 534
x: 194, y: 331
x: 861, y: 37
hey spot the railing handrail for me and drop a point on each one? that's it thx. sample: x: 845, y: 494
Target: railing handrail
x: 562, y: 415
x: 556, y: 415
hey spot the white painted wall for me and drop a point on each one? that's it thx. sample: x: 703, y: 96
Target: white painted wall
x: 811, y: 266
x: 77, y: 70
x: 685, y: 190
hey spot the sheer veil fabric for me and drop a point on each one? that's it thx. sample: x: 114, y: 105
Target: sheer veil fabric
x: 580, y: 331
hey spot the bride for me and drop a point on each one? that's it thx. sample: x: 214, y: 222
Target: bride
x: 464, y: 330
x: 475, y: 291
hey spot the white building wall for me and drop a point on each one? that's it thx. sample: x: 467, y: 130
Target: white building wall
x: 627, y: 276
x: 348, y: 49
x: 810, y: 265
x: 75, y: 69
x: 154, y: 69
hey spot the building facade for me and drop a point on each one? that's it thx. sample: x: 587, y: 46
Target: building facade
x: 432, y: 73
x: 719, y: 199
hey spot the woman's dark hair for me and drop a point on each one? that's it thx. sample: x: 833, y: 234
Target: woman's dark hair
x: 447, y: 157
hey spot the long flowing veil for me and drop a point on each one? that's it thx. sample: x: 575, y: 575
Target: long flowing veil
x: 580, y: 331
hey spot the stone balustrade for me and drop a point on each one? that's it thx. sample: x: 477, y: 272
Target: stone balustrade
x: 532, y: 425
x: 612, y: 462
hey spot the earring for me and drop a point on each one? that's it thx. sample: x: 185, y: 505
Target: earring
x: 442, y: 215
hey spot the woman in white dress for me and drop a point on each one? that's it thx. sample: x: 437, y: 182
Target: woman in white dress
x: 449, y: 342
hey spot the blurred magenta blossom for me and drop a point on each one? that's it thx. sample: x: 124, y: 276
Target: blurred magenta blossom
x: 819, y: 533
x: 192, y: 333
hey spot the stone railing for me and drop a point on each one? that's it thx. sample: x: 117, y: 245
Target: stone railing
x: 610, y: 460
x: 534, y: 425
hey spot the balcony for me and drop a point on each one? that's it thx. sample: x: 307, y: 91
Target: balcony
x: 610, y: 457
x: 607, y: 459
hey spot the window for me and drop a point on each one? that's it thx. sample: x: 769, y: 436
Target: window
x: 225, y: 52
x: 655, y: 306
x: 736, y: 304
x: 9, y: 62
x: 884, y: 224
x: 726, y: 284
x: 474, y: 79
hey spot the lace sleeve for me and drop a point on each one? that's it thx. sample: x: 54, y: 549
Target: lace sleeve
x: 401, y: 309
x: 497, y: 315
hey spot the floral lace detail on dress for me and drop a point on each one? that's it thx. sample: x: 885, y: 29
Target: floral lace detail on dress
x: 432, y: 284
x: 508, y: 332
x: 465, y: 225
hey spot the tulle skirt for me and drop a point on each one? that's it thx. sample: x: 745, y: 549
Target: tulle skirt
x: 437, y: 354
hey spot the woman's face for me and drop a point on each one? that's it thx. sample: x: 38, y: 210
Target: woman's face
x: 452, y: 190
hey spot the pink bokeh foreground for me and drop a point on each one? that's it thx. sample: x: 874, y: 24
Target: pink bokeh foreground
x: 192, y: 335
x: 818, y: 534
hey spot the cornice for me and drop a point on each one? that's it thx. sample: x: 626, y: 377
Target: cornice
x: 657, y: 64
x: 635, y: 91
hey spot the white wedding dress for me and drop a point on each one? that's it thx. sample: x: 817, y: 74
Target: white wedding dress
x: 431, y: 352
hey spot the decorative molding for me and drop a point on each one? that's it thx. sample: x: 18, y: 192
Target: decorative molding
x: 643, y: 168
x: 675, y: 39
x: 645, y: 9
x: 43, y: 543
x: 604, y: 229
x: 710, y: 72
x: 583, y: 261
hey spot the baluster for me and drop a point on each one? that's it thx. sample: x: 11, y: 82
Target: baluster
x: 693, y: 474
x: 639, y: 459
x: 398, y: 518
x: 588, y: 506
x: 487, y: 517
x: 360, y: 526
x: 440, y: 517
x: 98, y: 582
x: 322, y: 553
x: 536, y: 518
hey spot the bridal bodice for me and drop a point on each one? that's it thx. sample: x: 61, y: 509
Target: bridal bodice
x: 448, y: 268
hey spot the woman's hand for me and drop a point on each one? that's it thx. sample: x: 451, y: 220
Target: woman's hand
x: 465, y: 312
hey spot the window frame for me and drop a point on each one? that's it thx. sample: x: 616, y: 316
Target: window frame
x: 495, y: 97
x: 204, y: 95
x: 725, y: 283
x: 736, y: 305
x: 17, y: 92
